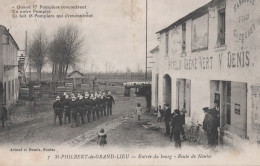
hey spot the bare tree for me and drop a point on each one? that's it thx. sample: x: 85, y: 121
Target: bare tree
x: 38, y: 50
x: 65, y: 50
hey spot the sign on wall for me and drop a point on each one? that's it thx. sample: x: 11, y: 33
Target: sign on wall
x: 199, y: 33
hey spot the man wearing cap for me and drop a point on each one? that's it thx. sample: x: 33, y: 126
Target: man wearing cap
x: 73, y: 106
x: 167, y: 119
x: 87, y: 106
x: 104, y: 103
x: 93, y: 106
x: 110, y: 101
x: 57, y: 106
x: 97, y: 101
x: 66, y: 109
x: 80, y: 109
x: 216, y: 117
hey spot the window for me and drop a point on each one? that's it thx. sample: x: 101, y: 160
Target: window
x: 221, y: 27
x: 167, y: 43
x: 184, y: 37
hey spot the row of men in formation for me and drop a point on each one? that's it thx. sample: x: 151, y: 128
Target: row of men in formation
x: 90, y: 106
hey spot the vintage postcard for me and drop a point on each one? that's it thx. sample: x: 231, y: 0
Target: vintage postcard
x: 129, y: 82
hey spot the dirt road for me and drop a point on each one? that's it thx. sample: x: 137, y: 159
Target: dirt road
x: 40, y: 129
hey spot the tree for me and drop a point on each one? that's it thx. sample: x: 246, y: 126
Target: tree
x: 65, y: 50
x: 38, y: 50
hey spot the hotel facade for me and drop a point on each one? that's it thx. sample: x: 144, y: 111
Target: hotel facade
x: 213, y: 54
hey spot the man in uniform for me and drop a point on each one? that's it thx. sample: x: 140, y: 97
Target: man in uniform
x: 97, y: 101
x: 110, y: 100
x: 73, y: 106
x: 101, y: 103
x: 93, y: 106
x: 66, y: 108
x: 80, y: 109
x: 104, y: 103
x: 57, y: 106
x: 87, y: 106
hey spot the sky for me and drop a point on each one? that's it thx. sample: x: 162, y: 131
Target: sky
x: 114, y: 36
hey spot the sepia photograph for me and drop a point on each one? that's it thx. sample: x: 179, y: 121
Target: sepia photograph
x: 129, y: 82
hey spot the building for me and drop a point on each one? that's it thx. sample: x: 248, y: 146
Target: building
x: 80, y: 81
x: 8, y: 68
x: 213, y: 54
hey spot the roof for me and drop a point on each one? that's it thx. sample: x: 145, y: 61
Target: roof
x: 155, y: 49
x: 81, y: 75
x: 75, y: 71
x: 7, y: 30
x: 193, y: 15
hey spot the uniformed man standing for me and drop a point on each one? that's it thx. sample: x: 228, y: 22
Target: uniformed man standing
x: 104, y: 103
x: 87, y: 106
x: 101, y: 102
x: 110, y: 101
x: 80, y: 109
x: 73, y: 106
x: 57, y: 106
x: 66, y: 109
x: 97, y: 101
x: 93, y: 106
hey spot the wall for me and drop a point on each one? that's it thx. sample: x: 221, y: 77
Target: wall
x: 236, y: 61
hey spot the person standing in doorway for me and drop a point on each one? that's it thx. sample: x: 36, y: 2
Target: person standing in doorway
x: 167, y: 119
x: 160, y: 114
x: 110, y: 101
x: 216, y: 117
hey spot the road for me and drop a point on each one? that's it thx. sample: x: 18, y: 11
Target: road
x: 40, y: 130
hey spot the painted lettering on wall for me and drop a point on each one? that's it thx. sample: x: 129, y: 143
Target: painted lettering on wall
x: 243, y: 2
x: 246, y: 26
x: 238, y: 59
x: 200, y: 62
x: 244, y: 35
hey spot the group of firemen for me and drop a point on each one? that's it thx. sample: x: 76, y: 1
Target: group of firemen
x: 79, y: 109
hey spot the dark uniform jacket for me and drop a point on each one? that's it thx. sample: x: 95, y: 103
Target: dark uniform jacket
x: 66, y: 104
x: 167, y: 115
x: 57, y: 106
x: 93, y: 103
x: 87, y: 103
x: 177, y: 122
x: 216, y: 116
x: 110, y: 100
x: 73, y: 106
x: 80, y: 105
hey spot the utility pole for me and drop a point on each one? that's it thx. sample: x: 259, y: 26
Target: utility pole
x: 146, y: 43
x: 26, y: 55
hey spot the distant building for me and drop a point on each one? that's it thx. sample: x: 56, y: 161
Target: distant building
x: 213, y: 54
x: 80, y: 81
x: 8, y: 68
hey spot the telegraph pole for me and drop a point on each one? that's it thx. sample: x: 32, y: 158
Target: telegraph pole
x: 146, y: 43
